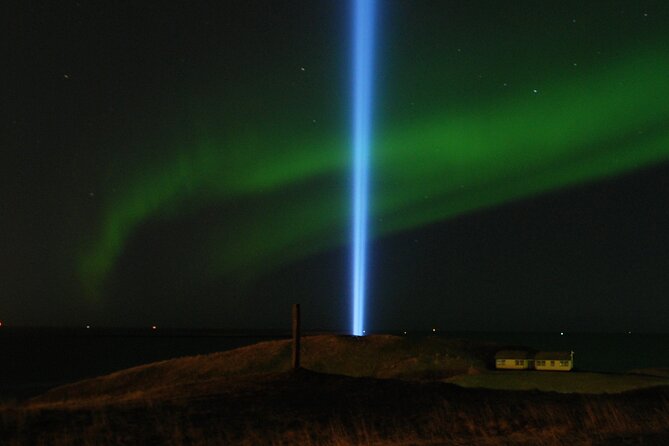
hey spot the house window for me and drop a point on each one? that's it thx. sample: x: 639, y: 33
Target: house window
x: 519, y: 362
x: 552, y: 363
x: 541, y: 362
x: 500, y: 362
x: 564, y: 363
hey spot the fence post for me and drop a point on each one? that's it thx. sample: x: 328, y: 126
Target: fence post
x: 296, y: 336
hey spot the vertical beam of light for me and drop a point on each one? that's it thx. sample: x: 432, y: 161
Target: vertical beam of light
x: 363, y: 48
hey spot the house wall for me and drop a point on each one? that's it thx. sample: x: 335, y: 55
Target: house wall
x: 512, y: 364
x: 555, y: 365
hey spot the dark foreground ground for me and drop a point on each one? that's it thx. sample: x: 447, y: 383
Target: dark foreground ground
x: 378, y: 390
x: 310, y: 408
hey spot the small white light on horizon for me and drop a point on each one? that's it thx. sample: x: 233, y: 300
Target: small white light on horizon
x: 562, y: 333
x: 434, y: 330
x: 88, y: 326
x: 153, y: 327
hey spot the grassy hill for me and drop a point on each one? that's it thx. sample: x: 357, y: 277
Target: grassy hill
x: 379, y: 356
x: 350, y: 396
x: 572, y: 382
x: 465, y: 363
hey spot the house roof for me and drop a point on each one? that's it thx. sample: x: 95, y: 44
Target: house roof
x: 513, y: 354
x: 555, y: 356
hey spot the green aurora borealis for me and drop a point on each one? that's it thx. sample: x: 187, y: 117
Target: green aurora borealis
x: 188, y: 164
x: 455, y: 160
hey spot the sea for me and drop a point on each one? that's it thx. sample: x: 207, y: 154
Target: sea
x: 33, y: 360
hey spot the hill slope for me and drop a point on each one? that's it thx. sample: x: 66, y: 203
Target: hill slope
x: 309, y: 408
x: 379, y: 356
x: 249, y: 396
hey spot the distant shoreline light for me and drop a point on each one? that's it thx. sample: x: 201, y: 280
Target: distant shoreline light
x: 363, y: 52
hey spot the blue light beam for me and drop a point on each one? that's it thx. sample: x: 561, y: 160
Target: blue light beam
x: 363, y: 51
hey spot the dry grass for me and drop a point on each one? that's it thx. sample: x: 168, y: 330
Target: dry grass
x: 572, y: 382
x: 247, y: 397
x: 381, y: 356
x: 315, y: 409
x: 657, y: 372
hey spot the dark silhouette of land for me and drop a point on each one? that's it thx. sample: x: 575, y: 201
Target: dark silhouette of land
x: 376, y: 390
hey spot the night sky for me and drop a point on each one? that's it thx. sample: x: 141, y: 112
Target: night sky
x: 188, y: 164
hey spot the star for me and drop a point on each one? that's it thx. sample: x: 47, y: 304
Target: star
x: 303, y: 69
x: 66, y: 76
x: 535, y: 91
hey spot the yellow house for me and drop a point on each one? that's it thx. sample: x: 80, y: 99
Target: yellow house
x: 558, y: 361
x: 513, y: 360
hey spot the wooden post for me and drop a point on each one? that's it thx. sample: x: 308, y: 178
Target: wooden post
x: 296, y: 336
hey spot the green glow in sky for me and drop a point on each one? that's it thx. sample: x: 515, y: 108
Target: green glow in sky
x: 453, y: 160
